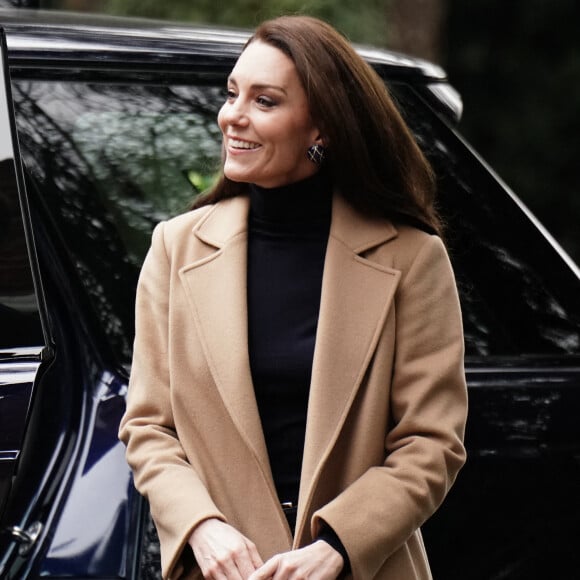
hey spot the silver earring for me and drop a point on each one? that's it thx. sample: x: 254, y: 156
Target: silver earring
x: 316, y: 153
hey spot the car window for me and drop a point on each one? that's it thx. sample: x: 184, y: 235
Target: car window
x: 107, y: 162
x: 19, y: 316
x: 518, y: 295
x: 20, y: 324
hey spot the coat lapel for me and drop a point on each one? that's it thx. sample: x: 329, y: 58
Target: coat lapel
x: 216, y: 287
x: 356, y: 296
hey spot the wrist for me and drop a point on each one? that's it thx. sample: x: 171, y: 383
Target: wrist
x: 328, y: 535
x: 333, y: 557
x: 202, y: 526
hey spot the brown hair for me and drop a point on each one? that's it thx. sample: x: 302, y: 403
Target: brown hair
x: 371, y: 155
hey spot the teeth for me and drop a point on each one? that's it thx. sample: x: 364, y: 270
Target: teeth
x: 243, y: 144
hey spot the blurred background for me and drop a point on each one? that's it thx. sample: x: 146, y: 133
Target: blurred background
x: 516, y: 64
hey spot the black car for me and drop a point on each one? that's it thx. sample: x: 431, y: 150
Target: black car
x: 113, y: 129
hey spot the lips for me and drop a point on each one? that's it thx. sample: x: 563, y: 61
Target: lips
x: 235, y: 143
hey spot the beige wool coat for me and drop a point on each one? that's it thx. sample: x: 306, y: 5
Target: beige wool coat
x: 387, y: 405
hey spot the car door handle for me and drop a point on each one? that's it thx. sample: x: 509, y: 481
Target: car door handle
x: 26, y: 538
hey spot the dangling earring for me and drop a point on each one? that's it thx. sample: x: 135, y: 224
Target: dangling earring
x: 316, y: 153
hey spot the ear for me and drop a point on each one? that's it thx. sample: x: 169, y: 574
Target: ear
x: 318, y: 140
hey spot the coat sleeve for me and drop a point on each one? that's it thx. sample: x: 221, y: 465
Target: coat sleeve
x: 178, y: 498
x: 424, y: 449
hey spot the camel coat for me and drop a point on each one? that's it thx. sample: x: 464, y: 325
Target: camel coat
x: 387, y: 403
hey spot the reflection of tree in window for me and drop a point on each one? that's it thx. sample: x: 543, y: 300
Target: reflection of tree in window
x: 513, y: 286
x: 108, y: 163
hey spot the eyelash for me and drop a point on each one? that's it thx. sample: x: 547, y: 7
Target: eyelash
x: 262, y: 101
x: 265, y: 102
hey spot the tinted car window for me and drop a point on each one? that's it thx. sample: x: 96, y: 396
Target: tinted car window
x: 108, y: 162
x: 518, y: 295
x: 19, y: 318
x: 112, y: 160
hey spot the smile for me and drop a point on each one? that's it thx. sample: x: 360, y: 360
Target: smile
x: 239, y: 144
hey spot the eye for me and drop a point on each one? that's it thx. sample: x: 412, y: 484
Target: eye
x: 266, y: 102
x: 230, y: 94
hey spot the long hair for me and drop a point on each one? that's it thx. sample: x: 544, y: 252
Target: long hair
x: 371, y: 155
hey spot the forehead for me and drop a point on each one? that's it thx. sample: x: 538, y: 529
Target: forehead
x: 261, y: 63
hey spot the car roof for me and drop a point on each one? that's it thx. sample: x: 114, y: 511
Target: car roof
x: 56, y: 40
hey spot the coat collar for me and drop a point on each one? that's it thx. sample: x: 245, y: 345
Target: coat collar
x: 229, y: 218
x: 356, y: 296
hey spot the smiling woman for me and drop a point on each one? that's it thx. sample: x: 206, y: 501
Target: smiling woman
x: 297, y: 400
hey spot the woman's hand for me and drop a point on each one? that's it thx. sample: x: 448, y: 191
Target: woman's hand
x: 318, y: 561
x: 222, y: 552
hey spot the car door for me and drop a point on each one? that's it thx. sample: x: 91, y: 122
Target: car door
x: 103, y: 162
x: 24, y: 344
x: 513, y: 512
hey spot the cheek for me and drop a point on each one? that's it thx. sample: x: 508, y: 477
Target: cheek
x: 299, y: 140
x: 221, y: 118
x: 301, y: 131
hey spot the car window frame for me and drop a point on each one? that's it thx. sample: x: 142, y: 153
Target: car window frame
x: 21, y: 366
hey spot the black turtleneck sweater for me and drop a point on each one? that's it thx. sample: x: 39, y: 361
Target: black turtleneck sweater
x: 288, y: 233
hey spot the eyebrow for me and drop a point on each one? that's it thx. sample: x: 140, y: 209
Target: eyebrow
x: 261, y: 86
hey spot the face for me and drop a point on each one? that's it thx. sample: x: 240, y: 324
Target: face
x: 266, y: 121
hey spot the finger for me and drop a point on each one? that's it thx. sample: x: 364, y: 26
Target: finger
x: 246, y: 565
x: 267, y: 570
x: 255, y: 556
x: 221, y: 570
x: 211, y: 571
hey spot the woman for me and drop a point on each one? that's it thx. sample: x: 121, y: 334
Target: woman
x: 297, y: 398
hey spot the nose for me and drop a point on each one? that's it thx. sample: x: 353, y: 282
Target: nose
x: 234, y: 113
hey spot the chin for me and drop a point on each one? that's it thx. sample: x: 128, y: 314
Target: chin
x: 239, y: 176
